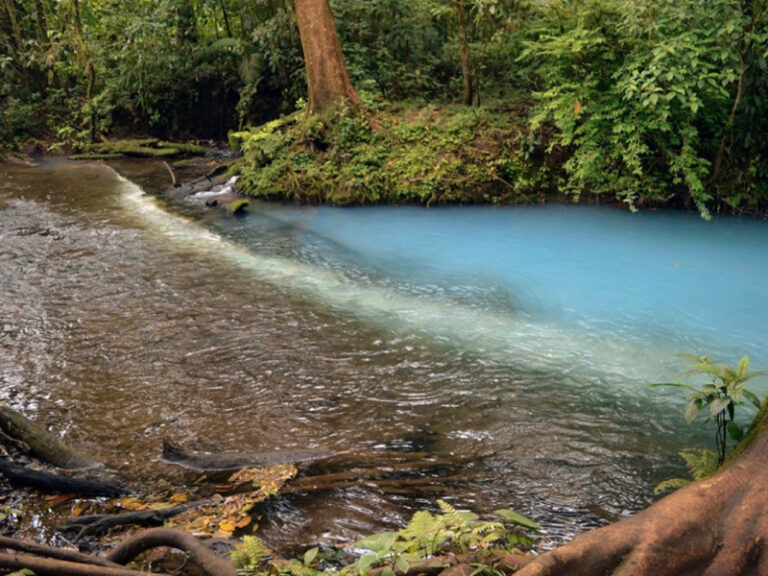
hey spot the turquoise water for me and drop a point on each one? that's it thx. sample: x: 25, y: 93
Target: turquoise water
x: 613, y: 291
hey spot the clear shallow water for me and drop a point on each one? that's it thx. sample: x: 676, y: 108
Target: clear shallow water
x: 528, y: 333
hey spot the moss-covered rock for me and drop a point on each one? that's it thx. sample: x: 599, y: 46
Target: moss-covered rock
x: 239, y: 207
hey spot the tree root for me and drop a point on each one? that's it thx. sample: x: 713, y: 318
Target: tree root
x: 715, y: 527
x: 53, y: 553
x: 52, y: 567
x: 156, y: 537
x: 47, y: 561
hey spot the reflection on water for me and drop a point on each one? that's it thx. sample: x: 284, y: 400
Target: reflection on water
x: 528, y: 334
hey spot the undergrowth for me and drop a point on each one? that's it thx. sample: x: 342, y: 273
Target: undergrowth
x: 427, y: 536
x: 423, y: 155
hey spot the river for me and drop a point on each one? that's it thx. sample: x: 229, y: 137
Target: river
x: 528, y: 335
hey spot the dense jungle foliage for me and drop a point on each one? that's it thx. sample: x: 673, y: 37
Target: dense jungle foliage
x: 646, y: 101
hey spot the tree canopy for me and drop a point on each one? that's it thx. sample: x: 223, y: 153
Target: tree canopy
x: 649, y: 102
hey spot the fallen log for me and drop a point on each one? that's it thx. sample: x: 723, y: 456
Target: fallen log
x: 23, y: 477
x: 230, y: 462
x: 40, y: 442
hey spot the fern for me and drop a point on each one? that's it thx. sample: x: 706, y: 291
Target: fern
x: 701, y: 464
x: 250, y: 553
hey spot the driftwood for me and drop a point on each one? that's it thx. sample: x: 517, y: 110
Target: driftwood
x: 173, y: 176
x: 37, y: 440
x: 231, y: 462
x: 21, y: 476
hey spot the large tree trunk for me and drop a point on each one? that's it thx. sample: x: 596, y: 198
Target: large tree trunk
x: 468, y: 77
x: 716, y: 527
x: 90, y: 69
x: 327, y: 77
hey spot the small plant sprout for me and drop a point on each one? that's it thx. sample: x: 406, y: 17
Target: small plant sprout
x: 721, y: 395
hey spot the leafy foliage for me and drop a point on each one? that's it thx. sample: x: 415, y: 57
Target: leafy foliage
x: 646, y: 102
x: 250, y: 554
x: 645, y: 97
x: 721, y: 395
x: 429, y: 155
x: 426, y: 535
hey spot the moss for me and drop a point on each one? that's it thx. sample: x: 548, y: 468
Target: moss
x: 184, y: 148
x: 239, y: 206
x: 423, y: 155
x: 95, y: 156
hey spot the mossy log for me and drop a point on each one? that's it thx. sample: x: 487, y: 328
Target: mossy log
x: 35, y: 439
x: 143, y: 148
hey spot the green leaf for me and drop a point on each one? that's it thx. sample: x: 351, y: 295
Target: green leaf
x: 310, y: 555
x: 718, y: 406
x: 741, y: 369
x: 753, y: 398
x: 691, y: 411
x: 735, y: 432
x: 381, y: 542
x: 517, y: 518
x: 671, y: 484
x: 366, y: 563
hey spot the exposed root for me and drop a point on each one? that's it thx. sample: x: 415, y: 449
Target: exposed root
x: 716, y: 527
x: 197, y: 552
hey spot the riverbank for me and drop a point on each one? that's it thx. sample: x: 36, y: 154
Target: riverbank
x: 401, y: 154
x: 408, y: 153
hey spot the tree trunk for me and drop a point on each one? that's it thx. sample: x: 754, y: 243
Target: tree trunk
x: 41, y: 23
x: 468, y: 78
x: 327, y: 77
x: 90, y: 70
x: 715, y: 527
x: 13, y: 19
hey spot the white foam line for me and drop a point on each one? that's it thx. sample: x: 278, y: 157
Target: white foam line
x: 532, y: 344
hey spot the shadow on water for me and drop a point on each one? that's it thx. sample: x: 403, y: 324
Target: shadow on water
x: 523, y: 336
